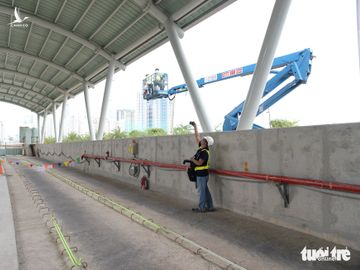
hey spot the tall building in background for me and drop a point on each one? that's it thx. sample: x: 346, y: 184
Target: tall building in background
x: 28, y: 135
x: 156, y: 113
x: 125, y: 120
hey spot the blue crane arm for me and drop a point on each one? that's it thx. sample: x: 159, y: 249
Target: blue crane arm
x: 299, y: 67
x: 239, y: 72
x: 296, y: 65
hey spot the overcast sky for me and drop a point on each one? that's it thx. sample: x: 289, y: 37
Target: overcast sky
x: 233, y: 38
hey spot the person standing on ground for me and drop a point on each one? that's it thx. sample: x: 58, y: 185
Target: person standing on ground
x: 201, y: 160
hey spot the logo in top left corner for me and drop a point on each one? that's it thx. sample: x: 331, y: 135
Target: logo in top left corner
x: 19, y: 22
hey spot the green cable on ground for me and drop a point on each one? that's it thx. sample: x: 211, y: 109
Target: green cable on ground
x: 119, y: 208
x: 75, y: 261
x: 180, y: 239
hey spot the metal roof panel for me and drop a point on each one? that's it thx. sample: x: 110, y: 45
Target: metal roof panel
x: 59, y: 32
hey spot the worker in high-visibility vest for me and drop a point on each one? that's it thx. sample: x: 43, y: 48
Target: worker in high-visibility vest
x: 148, y: 85
x: 158, y: 80
x: 201, y: 160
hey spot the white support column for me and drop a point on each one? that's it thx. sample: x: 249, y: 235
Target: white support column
x: 109, y: 78
x: 63, y: 114
x: 38, y: 127
x: 187, y: 74
x: 54, y: 120
x: 43, y: 127
x: 88, y: 111
x: 264, y: 63
x: 358, y: 26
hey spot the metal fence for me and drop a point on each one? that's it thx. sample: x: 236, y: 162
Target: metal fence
x: 11, y: 149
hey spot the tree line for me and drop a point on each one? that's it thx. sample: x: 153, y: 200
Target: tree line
x: 117, y: 133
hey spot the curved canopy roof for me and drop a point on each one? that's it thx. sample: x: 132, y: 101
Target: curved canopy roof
x: 64, y: 43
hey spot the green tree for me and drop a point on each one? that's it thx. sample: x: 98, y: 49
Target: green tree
x: 155, y: 132
x: 85, y: 137
x: 116, y: 134
x: 49, y: 140
x: 136, y: 133
x: 182, y: 129
x: 282, y: 123
x: 72, y: 137
x: 107, y: 136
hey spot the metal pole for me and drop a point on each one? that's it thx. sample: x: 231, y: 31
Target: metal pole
x: 358, y: 26
x: 88, y: 111
x: 43, y: 127
x: 54, y: 120
x: 109, y: 78
x: 63, y: 114
x: 38, y: 128
x: 264, y: 63
x: 2, y: 133
x: 187, y: 74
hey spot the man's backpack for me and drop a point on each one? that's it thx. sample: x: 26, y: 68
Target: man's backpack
x: 191, y: 170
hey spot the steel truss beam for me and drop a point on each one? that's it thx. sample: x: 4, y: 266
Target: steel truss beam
x: 9, y: 71
x: 44, y: 44
x: 56, y: 28
x: 28, y: 37
x: 59, y: 50
x: 20, y: 98
x: 17, y: 104
x: 25, y: 89
x: 43, y: 61
x: 9, y: 36
x: 83, y: 15
x: 108, y: 19
x: 36, y: 9
x: 142, y: 15
x: 59, y: 13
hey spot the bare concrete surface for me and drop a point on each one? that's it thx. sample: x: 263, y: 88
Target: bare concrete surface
x: 106, y: 239
x: 8, y: 252
x: 249, y: 242
x: 36, y: 249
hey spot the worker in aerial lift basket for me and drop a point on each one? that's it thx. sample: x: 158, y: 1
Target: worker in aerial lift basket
x: 201, y: 161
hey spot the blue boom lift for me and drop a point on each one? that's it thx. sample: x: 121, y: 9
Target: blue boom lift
x: 296, y: 65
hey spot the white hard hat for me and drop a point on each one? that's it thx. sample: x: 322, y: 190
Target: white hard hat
x: 210, y: 140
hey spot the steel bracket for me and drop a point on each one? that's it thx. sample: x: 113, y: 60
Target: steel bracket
x: 117, y: 164
x: 147, y: 169
x: 284, y: 192
x: 88, y: 161
x: 98, y: 161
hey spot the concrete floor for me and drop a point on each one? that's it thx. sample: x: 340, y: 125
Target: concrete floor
x: 36, y: 249
x: 8, y: 251
x: 108, y: 240
x: 105, y: 239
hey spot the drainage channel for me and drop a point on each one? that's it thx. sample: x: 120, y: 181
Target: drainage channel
x: 184, y: 242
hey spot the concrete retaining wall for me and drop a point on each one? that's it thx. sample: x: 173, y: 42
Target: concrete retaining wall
x: 330, y: 152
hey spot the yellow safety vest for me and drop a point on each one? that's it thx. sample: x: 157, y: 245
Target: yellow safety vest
x: 204, y: 167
